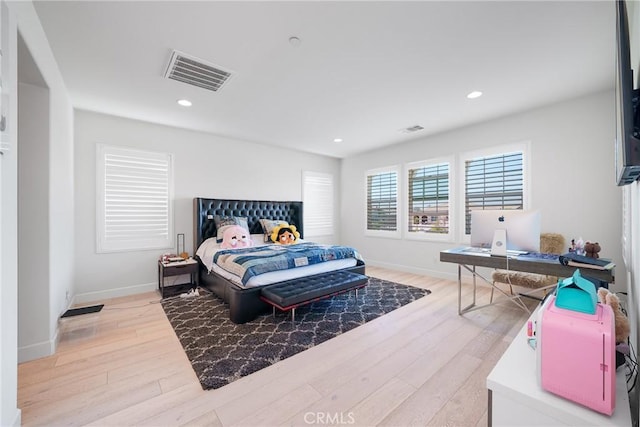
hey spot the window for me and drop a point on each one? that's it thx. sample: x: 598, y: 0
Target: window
x: 134, y: 196
x: 317, y: 193
x: 495, y: 181
x: 428, y: 199
x: 382, y: 202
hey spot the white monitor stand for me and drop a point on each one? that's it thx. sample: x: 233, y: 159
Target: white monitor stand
x: 499, y: 244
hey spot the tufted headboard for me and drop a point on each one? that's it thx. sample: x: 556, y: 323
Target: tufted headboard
x: 205, y: 209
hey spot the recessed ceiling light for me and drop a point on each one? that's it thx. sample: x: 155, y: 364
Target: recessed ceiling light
x: 184, y: 102
x: 474, y: 94
x: 337, y: 140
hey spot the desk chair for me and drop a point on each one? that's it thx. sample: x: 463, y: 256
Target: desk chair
x: 550, y: 243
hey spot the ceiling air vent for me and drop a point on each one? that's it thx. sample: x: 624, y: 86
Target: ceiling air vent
x: 412, y: 129
x: 194, y: 71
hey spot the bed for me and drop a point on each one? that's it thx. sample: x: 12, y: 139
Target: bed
x: 244, y: 299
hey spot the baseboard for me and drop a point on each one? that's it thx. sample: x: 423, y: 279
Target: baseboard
x: 37, y: 350
x: 98, y: 296
x: 17, y: 419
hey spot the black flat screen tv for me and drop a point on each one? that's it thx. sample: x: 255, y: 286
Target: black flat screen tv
x: 627, y: 133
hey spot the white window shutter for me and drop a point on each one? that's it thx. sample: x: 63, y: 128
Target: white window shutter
x: 134, y: 199
x: 382, y: 200
x: 494, y: 182
x: 317, y: 194
x: 428, y: 198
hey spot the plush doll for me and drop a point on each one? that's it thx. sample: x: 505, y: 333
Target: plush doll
x: 621, y: 321
x: 285, y: 234
x: 235, y: 236
x: 592, y: 249
x: 621, y: 324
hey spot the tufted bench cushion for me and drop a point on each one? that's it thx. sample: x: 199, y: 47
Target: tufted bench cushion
x: 295, y: 292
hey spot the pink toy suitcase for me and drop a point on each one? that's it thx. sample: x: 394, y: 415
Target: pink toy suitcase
x: 576, y: 355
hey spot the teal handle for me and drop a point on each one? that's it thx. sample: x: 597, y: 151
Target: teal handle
x: 576, y: 293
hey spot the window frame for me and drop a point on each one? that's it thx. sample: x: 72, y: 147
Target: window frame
x: 392, y: 234
x: 498, y: 150
x: 103, y: 243
x: 424, y: 236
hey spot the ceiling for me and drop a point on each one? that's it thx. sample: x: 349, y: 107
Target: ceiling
x: 363, y: 71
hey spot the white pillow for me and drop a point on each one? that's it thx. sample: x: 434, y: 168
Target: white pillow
x: 207, y: 249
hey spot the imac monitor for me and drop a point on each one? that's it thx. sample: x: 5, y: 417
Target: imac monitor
x: 516, y: 230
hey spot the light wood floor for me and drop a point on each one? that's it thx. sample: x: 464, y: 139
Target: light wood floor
x: 419, y: 365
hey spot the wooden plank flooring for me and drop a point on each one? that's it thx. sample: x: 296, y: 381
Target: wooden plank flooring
x: 419, y: 365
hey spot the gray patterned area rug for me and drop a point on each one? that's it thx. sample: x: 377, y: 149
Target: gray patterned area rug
x: 221, y: 351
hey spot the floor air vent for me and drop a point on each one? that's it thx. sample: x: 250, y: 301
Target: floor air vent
x: 193, y: 71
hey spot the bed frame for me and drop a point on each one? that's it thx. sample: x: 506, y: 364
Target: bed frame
x: 244, y: 304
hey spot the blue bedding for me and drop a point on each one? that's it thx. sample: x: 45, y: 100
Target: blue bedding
x: 249, y: 262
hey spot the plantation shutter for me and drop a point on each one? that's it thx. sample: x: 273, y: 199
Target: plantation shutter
x: 382, y: 201
x: 317, y: 192
x: 134, y: 200
x: 429, y: 199
x: 494, y: 182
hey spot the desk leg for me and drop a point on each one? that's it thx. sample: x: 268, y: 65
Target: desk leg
x: 516, y: 299
x: 475, y: 287
x: 471, y: 306
x: 459, y: 289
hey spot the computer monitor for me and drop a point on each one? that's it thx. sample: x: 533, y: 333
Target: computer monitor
x: 522, y: 229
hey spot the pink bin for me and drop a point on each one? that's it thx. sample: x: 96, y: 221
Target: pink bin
x: 576, y: 355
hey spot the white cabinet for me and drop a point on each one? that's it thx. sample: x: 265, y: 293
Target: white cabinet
x: 516, y: 399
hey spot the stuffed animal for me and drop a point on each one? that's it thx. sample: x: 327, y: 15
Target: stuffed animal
x: 285, y: 234
x: 621, y: 321
x: 235, y: 236
x: 592, y: 249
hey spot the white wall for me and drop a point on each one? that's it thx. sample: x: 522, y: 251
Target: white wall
x: 9, y: 412
x: 633, y: 266
x: 59, y: 171
x: 61, y: 200
x: 572, y: 170
x: 58, y: 213
x: 204, y: 166
x: 33, y: 226
x: 632, y: 193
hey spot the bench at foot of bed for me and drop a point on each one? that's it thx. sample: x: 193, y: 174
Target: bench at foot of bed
x: 296, y: 292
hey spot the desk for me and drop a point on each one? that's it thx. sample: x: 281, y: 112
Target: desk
x: 470, y: 260
x: 515, y: 398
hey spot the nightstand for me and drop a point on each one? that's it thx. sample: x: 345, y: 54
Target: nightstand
x: 165, y: 269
